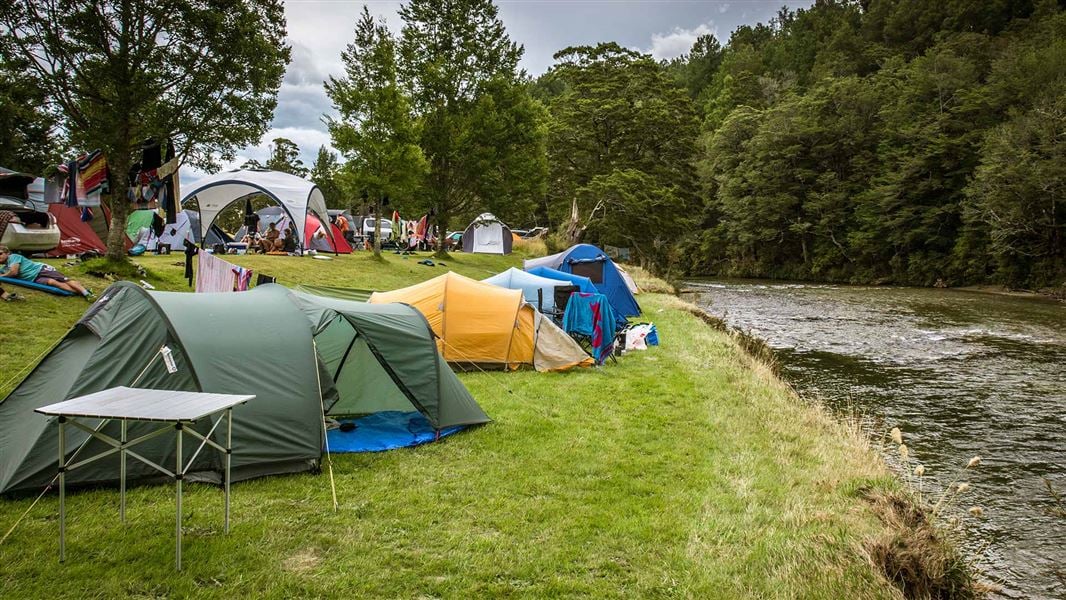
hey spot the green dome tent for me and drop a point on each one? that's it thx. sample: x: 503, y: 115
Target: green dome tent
x: 298, y: 353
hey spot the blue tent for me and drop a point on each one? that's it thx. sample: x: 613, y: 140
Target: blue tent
x: 584, y: 284
x: 538, y: 291
x: 589, y: 261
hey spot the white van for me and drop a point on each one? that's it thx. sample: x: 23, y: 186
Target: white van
x: 368, y: 228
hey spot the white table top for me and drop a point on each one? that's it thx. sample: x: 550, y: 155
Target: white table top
x: 144, y: 405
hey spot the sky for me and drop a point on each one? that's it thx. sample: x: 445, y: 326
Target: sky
x: 319, y: 30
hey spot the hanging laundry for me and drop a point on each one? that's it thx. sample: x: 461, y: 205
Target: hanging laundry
x: 85, y: 179
x: 244, y: 277
x: 190, y: 251
x: 213, y: 274
x: 591, y: 315
x: 154, y: 180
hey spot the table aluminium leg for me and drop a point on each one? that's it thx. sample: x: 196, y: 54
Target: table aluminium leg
x: 229, y: 455
x: 178, y: 476
x: 62, y: 489
x: 122, y: 474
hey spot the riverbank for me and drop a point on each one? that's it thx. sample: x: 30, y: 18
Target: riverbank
x: 962, y: 374
x: 688, y: 470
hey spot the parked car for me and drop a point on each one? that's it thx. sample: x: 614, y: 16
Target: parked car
x: 368, y: 228
x: 34, y: 230
x: 454, y: 241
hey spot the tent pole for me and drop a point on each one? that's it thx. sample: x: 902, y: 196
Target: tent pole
x: 325, y: 435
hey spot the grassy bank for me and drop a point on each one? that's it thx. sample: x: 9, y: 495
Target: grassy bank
x: 684, y: 471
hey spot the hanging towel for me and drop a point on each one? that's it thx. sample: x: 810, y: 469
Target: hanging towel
x: 244, y: 277
x: 213, y: 274
x: 190, y: 251
x: 591, y: 315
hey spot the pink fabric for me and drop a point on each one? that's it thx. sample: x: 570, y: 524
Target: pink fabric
x: 213, y: 274
x: 244, y: 277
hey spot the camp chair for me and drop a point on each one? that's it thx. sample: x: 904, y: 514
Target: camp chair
x: 562, y: 297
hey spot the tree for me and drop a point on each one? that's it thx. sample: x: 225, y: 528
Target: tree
x: 324, y: 175
x: 203, y: 73
x: 375, y: 129
x: 28, y: 141
x: 460, y: 65
x: 621, y: 120
x: 1018, y: 193
x: 285, y: 157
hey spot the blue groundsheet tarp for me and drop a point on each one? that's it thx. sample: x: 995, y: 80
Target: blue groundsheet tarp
x: 385, y: 430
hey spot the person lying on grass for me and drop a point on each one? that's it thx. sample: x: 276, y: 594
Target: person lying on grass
x: 20, y: 267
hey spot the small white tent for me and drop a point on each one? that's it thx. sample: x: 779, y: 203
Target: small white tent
x: 487, y: 235
x: 295, y: 195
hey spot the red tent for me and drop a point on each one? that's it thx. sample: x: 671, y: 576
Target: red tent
x: 323, y: 244
x: 75, y: 236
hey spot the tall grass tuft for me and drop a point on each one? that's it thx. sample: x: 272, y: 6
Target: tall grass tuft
x: 530, y: 248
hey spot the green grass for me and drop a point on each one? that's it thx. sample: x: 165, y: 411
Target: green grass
x: 684, y: 471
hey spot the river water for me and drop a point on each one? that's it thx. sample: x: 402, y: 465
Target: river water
x: 961, y: 374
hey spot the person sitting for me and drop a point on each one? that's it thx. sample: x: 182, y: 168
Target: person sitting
x: 252, y: 242
x: 344, y: 227
x: 289, y: 243
x: 20, y: 267
x: 271, y: 242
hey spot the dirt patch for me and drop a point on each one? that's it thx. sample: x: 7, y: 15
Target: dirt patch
x: 303, y: 561
x: 914, y: 555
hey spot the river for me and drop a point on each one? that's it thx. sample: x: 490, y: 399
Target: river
x: 962, y: 374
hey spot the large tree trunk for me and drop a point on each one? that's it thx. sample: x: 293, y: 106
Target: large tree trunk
x: 574, y: 229
x: 442, y: 231
x: 119, y: 164
x: 377, y: 227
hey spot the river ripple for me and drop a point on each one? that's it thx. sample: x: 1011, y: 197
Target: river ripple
x: 961, y: 373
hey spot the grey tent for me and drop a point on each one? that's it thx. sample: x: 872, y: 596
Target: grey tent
x: 487, y: 235
x: 298, y: 353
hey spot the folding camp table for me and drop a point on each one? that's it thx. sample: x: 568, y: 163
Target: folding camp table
x: 176, y: 409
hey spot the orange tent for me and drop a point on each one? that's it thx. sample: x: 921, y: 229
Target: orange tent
x: 481, y: 323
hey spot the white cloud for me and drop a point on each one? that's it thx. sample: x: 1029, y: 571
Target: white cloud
x: 665, y: 46
x: 723, y: 8
x: 309, y: 140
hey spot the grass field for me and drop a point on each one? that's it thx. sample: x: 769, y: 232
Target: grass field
x: 688, y: 470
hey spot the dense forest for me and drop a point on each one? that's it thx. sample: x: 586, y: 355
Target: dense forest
x: 883, y: 141
x: 887, y: 141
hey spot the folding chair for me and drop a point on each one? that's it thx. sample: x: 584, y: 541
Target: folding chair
x: 562, y: 298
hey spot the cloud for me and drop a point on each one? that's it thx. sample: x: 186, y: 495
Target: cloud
x: 665, y: 46
x: 723, y: 8
x: 308, y: 139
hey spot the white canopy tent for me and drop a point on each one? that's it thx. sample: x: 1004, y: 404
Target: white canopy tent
x: 295, y: 195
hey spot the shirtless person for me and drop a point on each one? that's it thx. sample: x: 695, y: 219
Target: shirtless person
x: 20, y: 267
x: 271, y: 242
